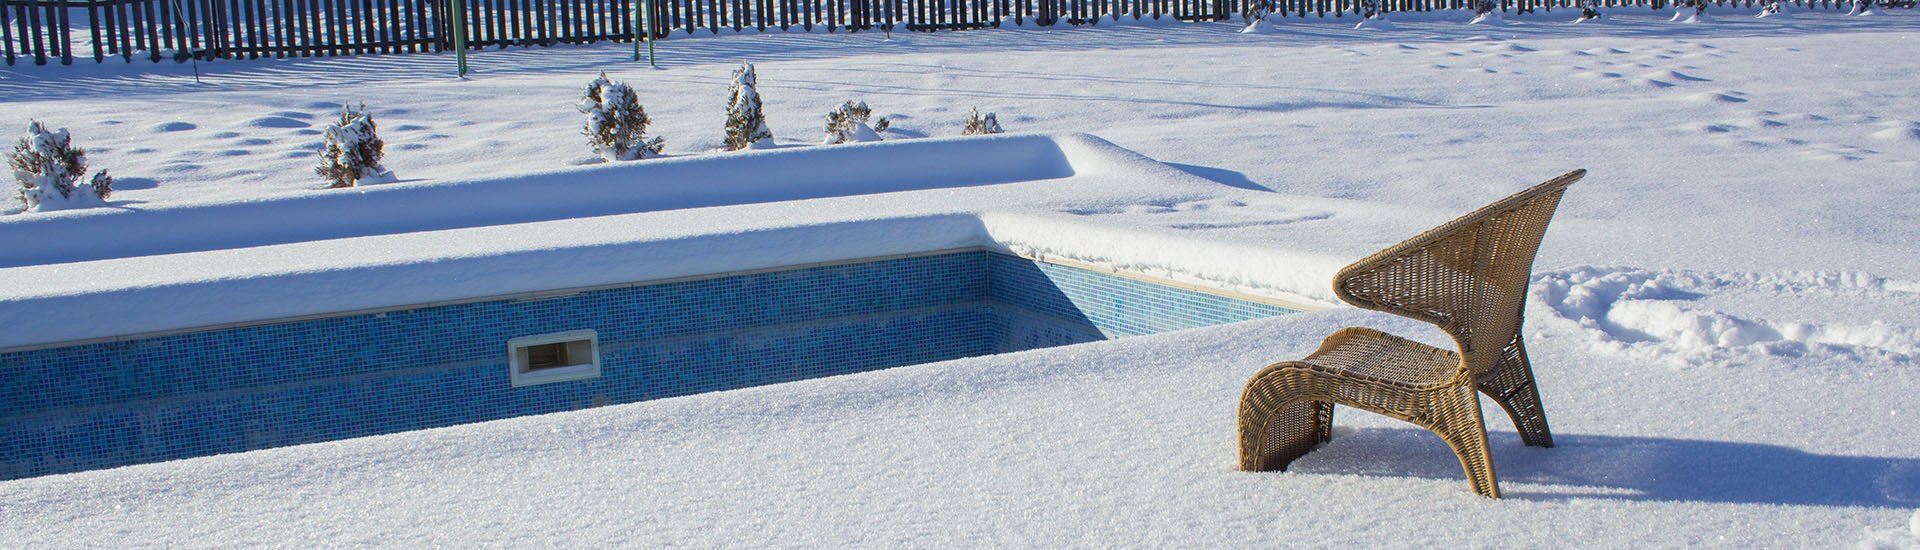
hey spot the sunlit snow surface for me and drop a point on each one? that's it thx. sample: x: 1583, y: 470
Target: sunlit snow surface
x: 1722, y: 320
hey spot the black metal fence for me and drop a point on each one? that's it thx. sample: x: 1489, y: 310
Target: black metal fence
x: 43, y: 30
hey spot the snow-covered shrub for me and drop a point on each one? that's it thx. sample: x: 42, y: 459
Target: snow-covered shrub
x: 1373, y: 16
x: 616, y: 125
x: 848, y: 123
x: 48, y: 168
x: 746, y: 125
x: 1862, y: 7
x: 1589, y: 9
x: 1486, y: 11
x: 1255, y: 15
x: 1774, y: 9
x: 1680, y: 11
x: 981, y: 125
x: 352, y: 151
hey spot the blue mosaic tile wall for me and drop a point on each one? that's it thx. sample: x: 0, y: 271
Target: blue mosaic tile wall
x: 117, y: 403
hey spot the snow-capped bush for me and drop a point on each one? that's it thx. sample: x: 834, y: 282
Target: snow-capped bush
x: 746, y: 125
x: 849, y: 124
x: 616, y: 125
x: 981, y: 125
x: 1487, y: 12
x: 1774, y: 9
x: 352, y: 152
x: 1254, y: 16
x: 1680, y: 11
x: 1373, y: 16
x: 48, y: 168
x: 1862, y: 7
x: 1589, y: 10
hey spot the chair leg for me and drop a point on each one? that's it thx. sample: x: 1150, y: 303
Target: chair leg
x: 1510, y: 383
x: 1276, y: 426
x: 1464, y: 431
x: 1324, y: 414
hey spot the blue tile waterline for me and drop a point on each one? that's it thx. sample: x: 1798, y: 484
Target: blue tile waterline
x: 114, y: 403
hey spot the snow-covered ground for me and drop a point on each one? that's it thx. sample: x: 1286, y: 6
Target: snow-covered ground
x: 1723, y: 317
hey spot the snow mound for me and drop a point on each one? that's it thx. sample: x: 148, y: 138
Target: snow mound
x: 1908, y: 132
x: 1684, y: 316
x: 690, y: 182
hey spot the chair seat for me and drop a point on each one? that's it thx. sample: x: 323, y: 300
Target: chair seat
x: 1374, y: 356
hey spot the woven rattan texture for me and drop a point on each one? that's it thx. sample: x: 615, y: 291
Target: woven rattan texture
x: 1468, y: 277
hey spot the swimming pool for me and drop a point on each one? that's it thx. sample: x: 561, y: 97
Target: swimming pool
x: 128, y: 400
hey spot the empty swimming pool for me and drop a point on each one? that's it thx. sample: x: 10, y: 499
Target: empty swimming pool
x: 112, y: 402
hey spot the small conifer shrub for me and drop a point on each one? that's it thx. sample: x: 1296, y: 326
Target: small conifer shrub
x: 981, y: 125
x: 616, y: 125
x: 48, y: 168
x: 352, y: 152
x: 1254, y: 14
x: 1680, y: 11
x: 1589, y: 9
x: 848, y: 123
x: 746, y: 125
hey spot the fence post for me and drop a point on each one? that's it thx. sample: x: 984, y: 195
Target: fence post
x: 460, y: 34
x: 6, y: 33
x: 643, y: 14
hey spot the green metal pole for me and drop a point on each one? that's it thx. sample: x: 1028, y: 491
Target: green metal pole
x: 460, y: 34
x: 648, y: 14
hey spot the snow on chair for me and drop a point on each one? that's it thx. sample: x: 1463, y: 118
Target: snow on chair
x: 1469, y: 277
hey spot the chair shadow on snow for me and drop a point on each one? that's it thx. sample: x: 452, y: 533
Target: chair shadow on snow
x: 1634, y: 468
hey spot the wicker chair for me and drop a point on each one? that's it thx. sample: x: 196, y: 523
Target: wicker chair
x: 1469, y: 277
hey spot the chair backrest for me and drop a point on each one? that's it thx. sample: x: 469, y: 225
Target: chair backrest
x: 1468, y: 276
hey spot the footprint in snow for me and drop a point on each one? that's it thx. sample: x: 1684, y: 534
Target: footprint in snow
x: 1672, y: 75
x: 1691, y: 317
x: 277, y: 122
x: 175, y: 126
x: 1727, y: 97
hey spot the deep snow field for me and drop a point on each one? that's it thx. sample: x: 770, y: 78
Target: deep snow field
x: 1725, y: 318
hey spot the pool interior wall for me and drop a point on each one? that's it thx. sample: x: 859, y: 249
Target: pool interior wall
x: 130, y: 401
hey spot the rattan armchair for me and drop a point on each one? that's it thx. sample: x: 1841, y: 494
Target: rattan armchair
x: 1469, y: 277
